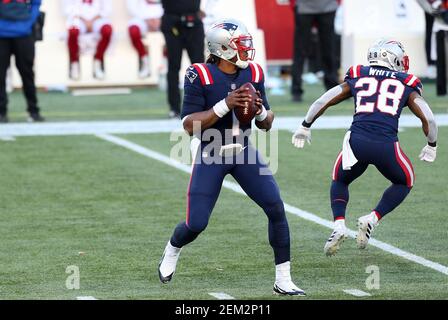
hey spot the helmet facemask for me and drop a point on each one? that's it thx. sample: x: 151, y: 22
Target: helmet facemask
x: 405, y: 63
x: 244, y: 50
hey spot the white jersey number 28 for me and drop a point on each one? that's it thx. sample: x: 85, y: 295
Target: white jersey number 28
x: 389, y: 91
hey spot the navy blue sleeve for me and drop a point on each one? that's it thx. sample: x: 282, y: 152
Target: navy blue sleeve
x: 194, y: 99
x: 262, y: 90
x: 348, y: 78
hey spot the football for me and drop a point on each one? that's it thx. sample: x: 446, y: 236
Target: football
x: 247, y: 113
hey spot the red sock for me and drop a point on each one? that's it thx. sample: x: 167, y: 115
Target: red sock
x: 73, y: 46
x: 136, y: 39
x: 106, y: 35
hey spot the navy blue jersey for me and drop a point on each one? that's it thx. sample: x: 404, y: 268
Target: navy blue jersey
x: 380, y: 95
x: 206, y: 84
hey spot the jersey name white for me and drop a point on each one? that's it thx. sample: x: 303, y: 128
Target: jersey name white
x: 378, y: 72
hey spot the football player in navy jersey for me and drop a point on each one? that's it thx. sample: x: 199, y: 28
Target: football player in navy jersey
x: 380, y: 91
x: 212, y: 90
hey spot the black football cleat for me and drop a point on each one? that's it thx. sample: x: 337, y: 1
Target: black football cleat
x: 4, y: 118
x: 35, y: 117
x: 162, y: 278
x: 288, y: 289
x: 168, y: 262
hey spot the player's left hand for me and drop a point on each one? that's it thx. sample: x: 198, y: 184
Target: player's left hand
x: 301, y: 135
x: 428, y: 153
x: 259, y: 103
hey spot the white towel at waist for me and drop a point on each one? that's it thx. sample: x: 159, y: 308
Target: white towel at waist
x: 348, y: 157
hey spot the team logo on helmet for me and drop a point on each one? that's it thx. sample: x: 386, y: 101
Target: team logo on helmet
x: 227, y: 26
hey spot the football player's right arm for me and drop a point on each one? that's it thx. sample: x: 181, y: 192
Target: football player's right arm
x: 197, y: 121
x: 328, y: 99
x: 422, y: 110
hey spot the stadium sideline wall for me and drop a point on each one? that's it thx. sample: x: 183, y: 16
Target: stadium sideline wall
x: 121, y: 60
x: 367, y: 20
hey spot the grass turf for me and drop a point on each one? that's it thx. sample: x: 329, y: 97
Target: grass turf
x: 63, y: 195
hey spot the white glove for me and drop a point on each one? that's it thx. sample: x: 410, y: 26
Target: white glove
x: 428, y: 153
x: 301, y: 135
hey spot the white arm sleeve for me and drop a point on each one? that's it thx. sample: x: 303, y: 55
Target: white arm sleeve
x: 432, y: 126
x: 320, y: 103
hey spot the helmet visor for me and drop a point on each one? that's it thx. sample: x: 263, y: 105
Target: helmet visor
x: 244, y: 46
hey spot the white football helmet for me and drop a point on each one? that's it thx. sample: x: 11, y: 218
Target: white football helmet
x: 230, y: 38
x: 388, y: 53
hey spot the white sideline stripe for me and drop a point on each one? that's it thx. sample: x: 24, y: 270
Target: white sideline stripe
x: 7, y: 138
x: 291, y: 209
x: 160, y: 126
x: 86, y: 298
x: 100, y: 92
x: 357, y: 293
x: 221, y: 296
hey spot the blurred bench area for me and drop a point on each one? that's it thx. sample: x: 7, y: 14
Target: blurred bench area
x: 121, y: 60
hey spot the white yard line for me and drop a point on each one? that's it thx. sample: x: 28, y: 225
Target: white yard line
x: 357, y: 293
x: 221, y: 296
x: 160, y: 126
x: 289, y: 208
x: 86, y: 298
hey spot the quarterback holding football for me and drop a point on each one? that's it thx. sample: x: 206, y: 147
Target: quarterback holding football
x: 380, y: 91
x: 217, y: 97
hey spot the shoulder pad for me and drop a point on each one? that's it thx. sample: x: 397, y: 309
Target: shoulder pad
x: 411, y: 80
x: 257, y: 72
x: 414, y: 82
x: 201, y: 70
x: 353, y: 72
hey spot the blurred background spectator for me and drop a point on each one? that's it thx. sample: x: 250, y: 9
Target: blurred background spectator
x: 320, y: 14
x: 436, y: 15
x: 145, y: 16
x: 182, y: 28
x: 17, y: 20
x: 88, y: 17
x: 429, y: 22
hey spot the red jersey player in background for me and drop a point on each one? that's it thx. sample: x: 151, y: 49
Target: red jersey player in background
x: 146, y: 16
x: 88, y: 16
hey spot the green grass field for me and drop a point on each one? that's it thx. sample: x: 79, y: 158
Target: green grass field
x: 62, y: 195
